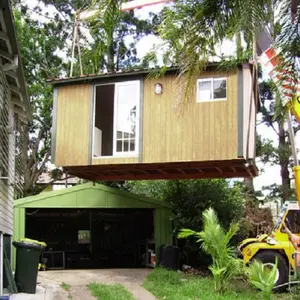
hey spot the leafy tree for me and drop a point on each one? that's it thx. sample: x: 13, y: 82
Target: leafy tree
x: 39, y: 43
x: 279, y: 154
x: 109, y: 29
x: 189, y: 198
x: 113, y: 34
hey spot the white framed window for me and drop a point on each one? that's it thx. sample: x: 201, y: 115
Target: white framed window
x: 211, y: 89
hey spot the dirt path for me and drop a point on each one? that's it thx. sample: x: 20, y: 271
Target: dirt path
x: 132, y: 279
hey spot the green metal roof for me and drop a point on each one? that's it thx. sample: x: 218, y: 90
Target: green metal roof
x: 89, y: 195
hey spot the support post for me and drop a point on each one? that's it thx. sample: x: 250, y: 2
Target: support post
x: 79, y: 52
x: 296, y: 167
x: 73, y: 44
x: 292, y: 138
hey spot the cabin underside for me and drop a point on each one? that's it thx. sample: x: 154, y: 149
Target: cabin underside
x: 238, y: 168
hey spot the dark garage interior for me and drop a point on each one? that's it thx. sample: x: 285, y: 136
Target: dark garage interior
x: 92, y: 238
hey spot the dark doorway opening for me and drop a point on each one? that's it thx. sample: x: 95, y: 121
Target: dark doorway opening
x: 104, y: 120
x: 92, y: 238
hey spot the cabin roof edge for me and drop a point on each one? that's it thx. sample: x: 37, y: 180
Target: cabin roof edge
x: 138, y: 72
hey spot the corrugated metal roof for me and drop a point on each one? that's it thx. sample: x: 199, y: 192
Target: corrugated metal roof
x: 86, y: 187
x: 89, y: 77
x: 131, y: 72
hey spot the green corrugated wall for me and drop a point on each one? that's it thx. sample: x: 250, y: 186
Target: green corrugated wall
x: 19, y: 229
x: 94, y: 196
x: 163, y: 229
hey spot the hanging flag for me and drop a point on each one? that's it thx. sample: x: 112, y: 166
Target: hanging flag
x: 280, y: 72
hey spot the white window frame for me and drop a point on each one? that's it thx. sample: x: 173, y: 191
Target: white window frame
x: 137, y: 128
x: 211, y: 79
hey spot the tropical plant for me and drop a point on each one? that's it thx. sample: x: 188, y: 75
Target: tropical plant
x: 263, y: 278
x: 111, y: 29
x: 193, y: 30
x: 197, y: 28
x: 216, y: 242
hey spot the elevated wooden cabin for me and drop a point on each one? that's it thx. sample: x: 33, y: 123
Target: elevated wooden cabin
x: 123, y: 126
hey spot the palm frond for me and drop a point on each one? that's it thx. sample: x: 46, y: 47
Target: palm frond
x: 196, y: 27
x: 262, y: 278
x: 185, y: 233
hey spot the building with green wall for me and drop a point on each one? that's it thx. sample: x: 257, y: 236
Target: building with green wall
x: 97, y: 201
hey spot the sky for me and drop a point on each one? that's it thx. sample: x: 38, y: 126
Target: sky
x: 271, y: 174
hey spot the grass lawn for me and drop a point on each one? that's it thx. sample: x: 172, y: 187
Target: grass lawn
x: 170, y: 285
x: 110, y: 292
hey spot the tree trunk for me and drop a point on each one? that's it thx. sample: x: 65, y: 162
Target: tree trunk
x: 249, y: 189
x: 284, y: 164
x: 239, y: 48
x: 110, y: 52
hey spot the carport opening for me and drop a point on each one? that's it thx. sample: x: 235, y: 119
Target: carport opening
x: 93, y: 238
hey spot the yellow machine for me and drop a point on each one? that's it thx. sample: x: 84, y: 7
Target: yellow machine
x: 269, y: 246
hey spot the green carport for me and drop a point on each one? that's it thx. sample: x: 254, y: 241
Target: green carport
x: 93, y: 226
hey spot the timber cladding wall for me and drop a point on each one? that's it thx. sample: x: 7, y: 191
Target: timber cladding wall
x: 73, y: 113
x: 205, y: 131
x: 114, y: 160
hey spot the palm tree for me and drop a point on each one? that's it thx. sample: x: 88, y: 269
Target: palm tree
x: 196, y: 27
x: 216, y: 242
x: 109, y: 27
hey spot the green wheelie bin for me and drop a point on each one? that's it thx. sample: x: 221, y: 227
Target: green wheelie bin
x: 27, y: 261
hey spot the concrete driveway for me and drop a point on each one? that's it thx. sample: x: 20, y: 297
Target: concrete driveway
x: 132, y: 279
x: 49, y: 283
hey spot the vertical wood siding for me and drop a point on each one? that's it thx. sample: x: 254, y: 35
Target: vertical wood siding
x: 205, y: 131
x: 73, y: 125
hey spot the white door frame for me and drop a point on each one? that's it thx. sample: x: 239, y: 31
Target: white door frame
x: 137, y: 128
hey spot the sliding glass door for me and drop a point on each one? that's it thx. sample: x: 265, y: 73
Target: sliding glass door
x: 126, y: 118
